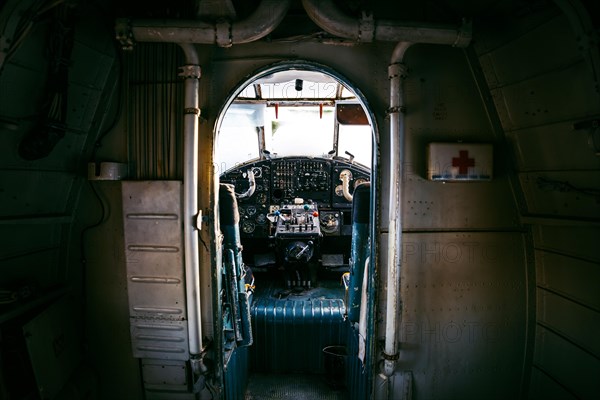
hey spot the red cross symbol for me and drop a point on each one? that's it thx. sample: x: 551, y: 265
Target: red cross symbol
x: 463, y: 162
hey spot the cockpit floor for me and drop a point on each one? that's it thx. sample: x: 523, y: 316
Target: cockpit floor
x: 291, y: 386
x: 274, y: 289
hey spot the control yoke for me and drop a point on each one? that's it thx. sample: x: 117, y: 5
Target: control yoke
x: 251, y: 186
x: 345, y: 177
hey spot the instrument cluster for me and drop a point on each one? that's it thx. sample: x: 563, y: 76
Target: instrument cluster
x: 264, y: 186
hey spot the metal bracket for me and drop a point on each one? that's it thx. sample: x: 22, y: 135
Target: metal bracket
x: 199, y: 220
x: 366, y: 28
x: 192, y: 110
x: 124, y: 34
x: 465, y: 34
x: 107, y: 171
x: 223, y: 34
x: 190, y: 71
x: 397, y: 70
x: 4, y: 46
x: 593, y: 129
x: 394, y: 110
x: 393, y: 357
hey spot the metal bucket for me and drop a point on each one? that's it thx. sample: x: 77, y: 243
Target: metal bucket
x: 334, y: 358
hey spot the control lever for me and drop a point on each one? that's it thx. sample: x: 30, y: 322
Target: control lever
x: 350, y: 155
x: 304, y: 249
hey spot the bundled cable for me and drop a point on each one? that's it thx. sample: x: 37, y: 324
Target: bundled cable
x: 51, y: 125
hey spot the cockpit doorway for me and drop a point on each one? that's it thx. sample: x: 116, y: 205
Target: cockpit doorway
x: 296, y: 153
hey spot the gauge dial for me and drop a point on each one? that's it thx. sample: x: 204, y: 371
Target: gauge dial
x: 330, y: 222
x: 339, y: 191
x: 250, y: 211
x: 257, y: 172
x: 248, y: 226
x: 261, y: 219
x: 261, y: 198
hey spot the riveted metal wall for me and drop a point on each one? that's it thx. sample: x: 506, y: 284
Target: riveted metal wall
x: 542, y: 87
x: 463, y: 328
x: 38, y: 197
x: 442, y: 105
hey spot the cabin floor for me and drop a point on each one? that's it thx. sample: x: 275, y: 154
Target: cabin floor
x: 293, y: 332
x: 292, y: 386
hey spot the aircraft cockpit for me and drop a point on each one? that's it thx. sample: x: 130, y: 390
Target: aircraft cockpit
x: 295, y: 145
x: 294, y: 148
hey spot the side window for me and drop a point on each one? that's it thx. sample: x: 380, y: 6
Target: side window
x: 237, y: 140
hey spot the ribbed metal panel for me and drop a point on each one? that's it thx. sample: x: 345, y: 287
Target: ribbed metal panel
x: 154, y: 258
x: 290, y: 334
x: 236, y: 374
x: 356, y: 377
x: 154, y: 111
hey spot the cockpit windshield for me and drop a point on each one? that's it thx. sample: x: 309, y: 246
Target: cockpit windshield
x: 292, y: 113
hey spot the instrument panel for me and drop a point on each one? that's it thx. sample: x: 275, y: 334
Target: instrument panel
x: 264, y: 186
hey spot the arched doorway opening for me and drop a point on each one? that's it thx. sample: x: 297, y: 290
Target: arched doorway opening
x: 297, y: 145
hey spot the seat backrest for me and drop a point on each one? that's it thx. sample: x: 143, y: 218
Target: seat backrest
x: 361, y: 217
x: 237, y: 294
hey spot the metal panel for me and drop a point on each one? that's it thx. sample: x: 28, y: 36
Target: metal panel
x: 463, y: 327
x: 165, y: 375
x: 541, y: 100
x: 159, y: 338
x: 504, y: 31
x: 356, y: 375
x: 168, y: 395
x: 546, y: 388
x: 155, y: 98
x: 30, y: 253
x: 546, y: 47
x: 236, y: 374
x: 572, y: 367
x: 289, y: 335
x: 566, y: 193
x: 580, y: 242
x: 53, y: 340
x: 570, y: 277
x: 577, y: 323
x: 533, y: 150
x: 155, y: 277
x: 435, y: 205
x: 35, y: 192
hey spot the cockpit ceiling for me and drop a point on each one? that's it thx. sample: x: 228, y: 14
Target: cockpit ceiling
x: 428, y: 11
x: 294, y: 85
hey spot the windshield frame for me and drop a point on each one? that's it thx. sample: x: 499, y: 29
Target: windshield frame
x: 296, y: 65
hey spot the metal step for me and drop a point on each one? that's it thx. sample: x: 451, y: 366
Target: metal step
x: 290, y: 331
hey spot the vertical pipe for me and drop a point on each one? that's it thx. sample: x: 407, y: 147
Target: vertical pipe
x: 396, y: 74
x: 191, y: 74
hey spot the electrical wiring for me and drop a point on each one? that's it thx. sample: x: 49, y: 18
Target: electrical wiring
x: 27, y: 22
